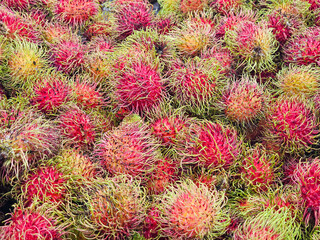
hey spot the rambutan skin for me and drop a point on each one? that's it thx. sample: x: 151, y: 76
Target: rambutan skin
x: 139, y: 87
x: 189, y: 211
x: 77, y: 128
x: 192, y: 5
x: 217, y: 147
x: 291, y: 126
x: 26, y: 224
x: 303, y: 48
x: 45, y: 184
x: 76, y: 12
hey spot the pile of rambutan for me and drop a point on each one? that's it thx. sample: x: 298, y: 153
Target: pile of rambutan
x: 160, y: 119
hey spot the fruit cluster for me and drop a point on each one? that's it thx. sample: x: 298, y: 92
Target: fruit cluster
x: 168, y: 119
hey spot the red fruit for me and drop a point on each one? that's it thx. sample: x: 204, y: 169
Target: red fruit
x: 76, y: 12
x: 217, y: 146
x: 164, y: 24
x: 307, y: 176
x: 230, y: 21
x: 68, y: 55
x: 288, y: 170
x: 166, y: 129
x: 16, y: 26
x: 26, y: 224
x: 165, y: 172
x: 243, y: 101
x: 86, y: 95
x: 55, y: 32
x: 226, y: 6
x: 77, y: 128
x: 131, y: 16
x: 304, y: 48
x: 18, y: 4
x: 257, y: 169
x: 46, y: 184
x: 291, y: 126
x: 315, y: 4
x: 101, y: 44
x: 139, y: 87
x: 280, y: 27
x: 50, y: 96
x: 192, y: 212
x: 99, y: 28
x: 192, y: 5
x: 151, y: 224
x: 129, y: 149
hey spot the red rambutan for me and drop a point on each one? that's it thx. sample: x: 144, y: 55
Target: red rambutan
x: 139, y: 86
x: 192, y: 5
x: 76, y: 12
x: 30, y: 224
x: 68, y: 55
x: 291, y: 126
x: 303, y: 48
x: 78, y: 129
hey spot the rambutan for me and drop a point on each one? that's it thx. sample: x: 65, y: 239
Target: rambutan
x: 68, y: 55
x: 194, y: 84
x: 299, y: 80
x: 257, y: 169
x: 54, y: 32
x: 50, y: 95
x: 128, y: 149
x: 307, y: 176
x: 217, y: 146
x: 76, y: 12
x: 152, y: 226
x: 291, y: 126
x: 101, y: 44
x: 164, y: 24
x: 31, y: 224
x: 189, y: 211
x: 77, y: 128
x: 226, y: 6
x: 303, y: 48
x: 132, y: 16
x: 18, y: 4
x: 28, y: 139
x: 165, y: 172
x: 26, y: 62
x: 253, y: 44
x: 244, y: 101
x: 17, y: 27
x: 45, y: 184
x: 117, y: 217
x: 192, y: 5
x: 139, y: 86
x: 269, y: 225
x: 86, y: 94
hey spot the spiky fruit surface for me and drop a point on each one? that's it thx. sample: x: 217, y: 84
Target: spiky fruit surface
x: 26, y: 62
x: 74, y: 162
x: 165, y: 172
x: 76, y: 12
x: 28, y: 139
x: 291, y: 126
x: 118, y: 217
x: 139, y: 86
x: 254, y: 45
x: 68, y: 55
x: 101, y: 44
x: 244, y: 101
x: 129, y: 149
x: 229, y: 22
x: 191, y: 38
x: 131, y: 16
x: 51, y: 95
x: 18, y: 5
x: 226, y: 6
x: 269, y: 225
x: 307, y: 176
x: 77, y: 128
x: 164, y: 24
x: 217, y: 146
x: 45, y: 184
x: 258, y: 169
x: 192, y: 5
x: 189, y: 211
x: 54, y: 32
x: 304, y: 48
x: 17, y: 27
x: 87, y: 95
x: 166, y: 129
x: 30, y: 224
x: 151, y: 226
x: 194, y: 84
